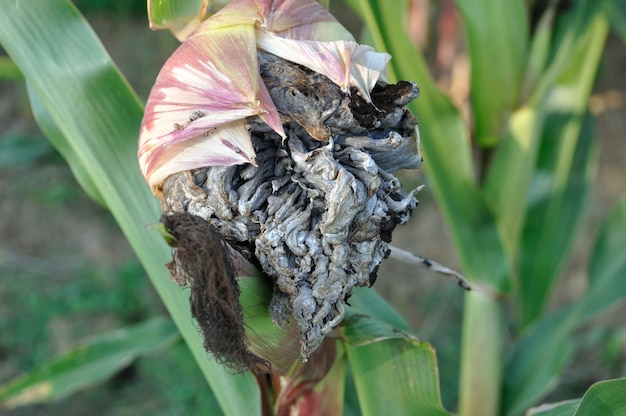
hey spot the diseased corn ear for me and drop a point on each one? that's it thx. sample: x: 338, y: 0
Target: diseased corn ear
x: 271, y: 126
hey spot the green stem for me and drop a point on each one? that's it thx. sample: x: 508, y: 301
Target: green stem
x: 481, y: 356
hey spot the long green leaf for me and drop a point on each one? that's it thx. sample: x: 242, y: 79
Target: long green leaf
x: 603, y: 398
x: 547, y: 341
x: 497, y: 37
x: 510, y: 174
x: 539, y: 53
x: 367, y: 301
x: 563, y: 175
x: 98, y: 114
x: 607, y: 271
x: 92, y: 362
x: 55, y: 136
x: 554, y: 215
x: 570, y: 28
x: 537, y: 361
x: 617, y: 15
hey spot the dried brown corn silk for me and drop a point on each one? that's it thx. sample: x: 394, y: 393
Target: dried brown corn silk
x: 204, y: 262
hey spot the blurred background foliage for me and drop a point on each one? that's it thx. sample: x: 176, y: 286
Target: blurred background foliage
x: 67, y: 273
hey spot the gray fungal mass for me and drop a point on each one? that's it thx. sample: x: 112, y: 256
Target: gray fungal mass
x: 318, y: 209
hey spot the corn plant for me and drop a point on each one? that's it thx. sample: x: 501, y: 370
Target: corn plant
x: 513, y: 215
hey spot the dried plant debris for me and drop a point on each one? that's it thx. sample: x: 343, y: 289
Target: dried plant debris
x: 318, y: 209
x: 202, y: 261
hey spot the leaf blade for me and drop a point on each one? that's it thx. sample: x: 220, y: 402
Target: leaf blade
x: 527, y: 377
x: 402, y: 370
x: 92, y: 362
x: 604, y: 398
x: 499, y: 29
x: 509, y: 175
x: 563, y: 175
x: 608, y: 265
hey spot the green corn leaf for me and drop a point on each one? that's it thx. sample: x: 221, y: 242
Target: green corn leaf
x: 539, y: 53
x: 617, y: 16
x: 393, y: 371
x: 367, y: 301
x: 497, y: 38
x: 279, y: 347
x: 537, y: 361
x: 98, y: 116
x: 565, y: 408
x: 570, y: 30
x: 548, y: 340
x: 604, y: 398
x: 510, y: 174
x: 563, y: 174
x: 55, y: 136
x: 90, y: 363
x: 607, y: 271
x: 556, y: 206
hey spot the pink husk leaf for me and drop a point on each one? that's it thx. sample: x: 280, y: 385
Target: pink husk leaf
x: 227, y: 144
x: 215, y: 76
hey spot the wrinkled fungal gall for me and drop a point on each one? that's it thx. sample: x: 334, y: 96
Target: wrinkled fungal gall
x: 314, y: 215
